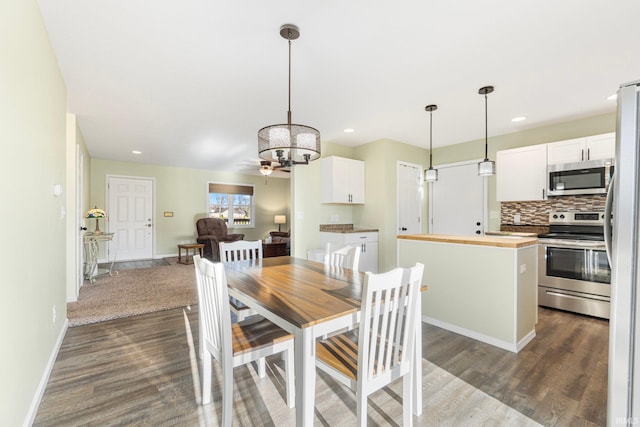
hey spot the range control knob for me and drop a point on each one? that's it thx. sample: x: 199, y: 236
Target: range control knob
x: 555, y: 216
x: 561, y: 216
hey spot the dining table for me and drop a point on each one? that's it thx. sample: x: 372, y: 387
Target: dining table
x: 309, y: 300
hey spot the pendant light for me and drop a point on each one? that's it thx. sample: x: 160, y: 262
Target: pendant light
x: 486, y: 167
x: 289, y: 144
x: 431, y: 174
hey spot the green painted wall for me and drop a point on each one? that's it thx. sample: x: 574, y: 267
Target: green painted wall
x: 33, y: 227
x: 184, y: 192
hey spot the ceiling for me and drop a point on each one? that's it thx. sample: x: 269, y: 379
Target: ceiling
x: 189, y: 83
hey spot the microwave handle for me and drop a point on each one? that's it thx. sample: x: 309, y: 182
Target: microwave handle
x: 582, y: 154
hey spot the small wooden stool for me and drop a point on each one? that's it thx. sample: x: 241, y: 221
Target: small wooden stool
x: 186, y: 247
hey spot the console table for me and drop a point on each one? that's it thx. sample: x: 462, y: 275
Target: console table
x: 91, y: 251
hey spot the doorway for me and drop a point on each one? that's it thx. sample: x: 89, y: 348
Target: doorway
x: 458, y: 200
x: 130, y: 207
x: 410, y: 196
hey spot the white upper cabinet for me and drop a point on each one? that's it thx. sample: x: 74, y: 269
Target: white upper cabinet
x: 580, y: 149
x: 521, y: 173
x: 342, y: 180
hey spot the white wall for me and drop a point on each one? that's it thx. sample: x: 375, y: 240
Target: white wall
x: 32, y: 131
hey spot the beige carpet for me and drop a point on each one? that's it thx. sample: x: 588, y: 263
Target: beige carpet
x: 133, y: 292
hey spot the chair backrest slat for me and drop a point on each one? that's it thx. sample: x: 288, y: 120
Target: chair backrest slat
x: 240, y: 250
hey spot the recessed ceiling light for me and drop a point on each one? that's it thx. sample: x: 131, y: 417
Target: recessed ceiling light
x: 612, y: 97
x: 518, y: 119
x: 136, y: 152
x: 349, y: 130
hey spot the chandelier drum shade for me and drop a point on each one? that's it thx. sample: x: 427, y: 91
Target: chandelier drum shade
x: 289, y: 144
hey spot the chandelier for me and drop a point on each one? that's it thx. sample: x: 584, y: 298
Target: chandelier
x: 289, y: 144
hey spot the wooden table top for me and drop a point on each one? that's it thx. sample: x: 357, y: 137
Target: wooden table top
x: 301, y: 292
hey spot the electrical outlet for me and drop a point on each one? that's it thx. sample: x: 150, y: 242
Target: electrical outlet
x: 523, y: 268
x: 516, y: 219
x: 54, y: 314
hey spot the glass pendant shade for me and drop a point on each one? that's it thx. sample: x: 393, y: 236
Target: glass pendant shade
x: 431, y: 175
x: 486, y: 168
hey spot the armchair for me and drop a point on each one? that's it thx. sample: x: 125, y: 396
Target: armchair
x: 212, y: 231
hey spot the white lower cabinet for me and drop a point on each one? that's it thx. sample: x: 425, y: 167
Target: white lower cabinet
x: 368, y: 242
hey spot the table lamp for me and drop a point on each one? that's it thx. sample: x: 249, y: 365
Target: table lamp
x: 97, y: 214
x: 280, y: 219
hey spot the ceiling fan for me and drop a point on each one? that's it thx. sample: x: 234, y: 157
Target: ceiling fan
x: 267, y: 166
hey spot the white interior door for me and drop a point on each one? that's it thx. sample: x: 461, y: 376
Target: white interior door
x: 130, y: 218
x: 410, y: 192
x: 79, y: 218
x: 458, y: 200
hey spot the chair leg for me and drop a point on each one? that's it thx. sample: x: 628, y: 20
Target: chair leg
x: 287, y: 355
x: 262, y: 368
x: 227, y: 391
x: 362, y: 409
x: 206, y: 377
x: 407, y: 399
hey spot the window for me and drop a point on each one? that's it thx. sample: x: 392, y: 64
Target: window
x: 231, y: 202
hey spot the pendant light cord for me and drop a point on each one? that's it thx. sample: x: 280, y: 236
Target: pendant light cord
x: 430, y: 139
x: 486, y: 130
x: 289, y: 110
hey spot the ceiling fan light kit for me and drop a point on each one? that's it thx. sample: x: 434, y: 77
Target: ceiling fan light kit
x: 288, y: 144
x: 486, y: 167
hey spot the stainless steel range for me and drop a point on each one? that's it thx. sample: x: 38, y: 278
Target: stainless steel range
x: 574, y: 272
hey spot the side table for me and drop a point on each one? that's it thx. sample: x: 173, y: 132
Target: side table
x: 91, y: 252
x: 274, y: 249
x: 189, y: 246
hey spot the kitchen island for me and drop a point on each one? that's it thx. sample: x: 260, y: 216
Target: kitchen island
x: 483, y: 287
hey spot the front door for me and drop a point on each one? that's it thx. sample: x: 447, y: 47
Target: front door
x: 458, y: 200
x: 130, y: 217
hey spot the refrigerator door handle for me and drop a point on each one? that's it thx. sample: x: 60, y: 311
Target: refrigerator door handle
x: 608, y: 208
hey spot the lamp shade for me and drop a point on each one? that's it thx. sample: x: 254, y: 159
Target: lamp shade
x: 280, y: 219
x: 96, y: 213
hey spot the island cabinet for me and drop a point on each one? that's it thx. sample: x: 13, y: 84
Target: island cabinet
x: 594, y: 147
x: 521, y: 173
x: 482, y: 287
x: 342, y: 180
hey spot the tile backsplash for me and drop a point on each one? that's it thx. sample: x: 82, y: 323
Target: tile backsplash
x: 537, y: 212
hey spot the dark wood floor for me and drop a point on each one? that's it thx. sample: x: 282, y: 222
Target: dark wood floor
x: 559, y: 379
x: 143, y: 371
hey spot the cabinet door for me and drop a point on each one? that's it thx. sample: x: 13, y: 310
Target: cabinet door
x: 356, y: 181
x: 369, y: 257
x: 569, y: 151
x: 601, y: 146
x: 342, y: 180
x: 521, y: 173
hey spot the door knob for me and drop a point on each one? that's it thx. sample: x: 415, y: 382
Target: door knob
x: 83, y: 228
x: 477, y: 231
x: 478, y: 224
x: 404, y: 228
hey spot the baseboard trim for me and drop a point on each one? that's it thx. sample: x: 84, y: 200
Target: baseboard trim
x: 505, y: 345
x: 37, y: 398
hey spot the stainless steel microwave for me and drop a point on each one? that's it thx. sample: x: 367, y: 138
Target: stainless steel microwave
x: 588, y: 177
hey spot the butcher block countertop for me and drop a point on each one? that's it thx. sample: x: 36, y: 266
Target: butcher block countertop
x: 496, y: 241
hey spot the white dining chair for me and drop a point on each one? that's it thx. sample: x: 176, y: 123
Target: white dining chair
x: 381, y: 350
x: 346, y: 257
x: 240, y: 250
x: 234, y: 344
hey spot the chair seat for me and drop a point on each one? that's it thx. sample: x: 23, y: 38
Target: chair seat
x: 341, y: 353
x: 256, y: 332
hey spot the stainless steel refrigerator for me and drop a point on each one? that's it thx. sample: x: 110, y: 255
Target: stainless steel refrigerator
x: 623, y: 245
